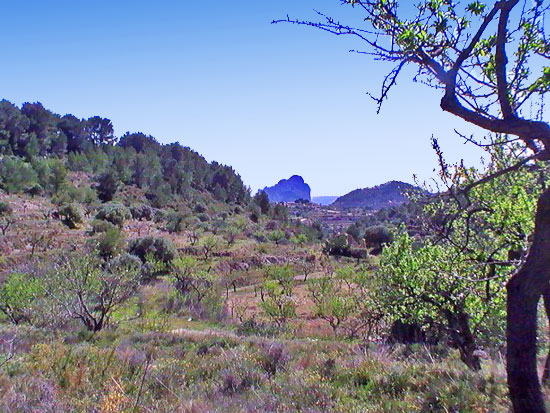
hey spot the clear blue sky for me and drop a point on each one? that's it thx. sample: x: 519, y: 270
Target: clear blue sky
x: 270, y: 100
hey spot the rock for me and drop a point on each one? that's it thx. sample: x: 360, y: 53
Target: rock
x: 289, y: 190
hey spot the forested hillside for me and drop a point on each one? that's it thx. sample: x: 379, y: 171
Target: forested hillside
x: 39, y: 148
x: 390, y: 194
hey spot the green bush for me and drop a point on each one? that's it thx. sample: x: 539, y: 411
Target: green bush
x: 110, y: 243
x: 176, y: 222
x: 107, y: 185
x: 16, y: 175
x: 99, y: 226
x: 125, y: 261
x: 114, y: 212
x: 142, y: 212
x: 70, y: 193
x: 71, y: 215
x: 378, y: 235
x: 17, y: 296
x: 5, y: 209
x: 161, y: 249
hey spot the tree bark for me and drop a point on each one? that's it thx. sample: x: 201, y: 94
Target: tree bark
x: 524, y: 291
x: 546, y: 371
x: 463, y: 339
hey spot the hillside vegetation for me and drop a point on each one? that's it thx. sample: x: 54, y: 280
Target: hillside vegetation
x: 136, y: 276
x: 391, y: 193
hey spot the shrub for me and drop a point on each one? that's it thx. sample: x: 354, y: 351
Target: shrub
x: 274, y: 357
x: 176, y: 222
x: 276, y: 236
x: 378, y: 235
x: 71, y: 215
x: 254, y: 217
x: 142, y: 212
x: 199, y: 209
x: 5, y: 209
x: 99, y: 226
x: 125, y: 260
x: 34, y: 190
x: 114, y: 212
x: 161, y: 249
x: 16, y: 175
x: 107, y: 185
x: 70, y: 193
x: 17, y: 296
x: 110, y: 243
x: 203, y: 217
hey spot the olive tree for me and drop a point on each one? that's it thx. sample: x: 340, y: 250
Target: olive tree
x: 488, y: 60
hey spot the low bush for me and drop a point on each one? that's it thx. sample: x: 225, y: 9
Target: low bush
x: 99, y: 226
x: 114, y: 212
x: 142, y: 212
x: 71, y: 215
x: 161, y: 249
x: 110, y: 243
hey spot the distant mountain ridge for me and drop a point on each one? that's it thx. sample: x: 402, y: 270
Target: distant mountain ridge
x: 289, y: 190
x: 381, y: 196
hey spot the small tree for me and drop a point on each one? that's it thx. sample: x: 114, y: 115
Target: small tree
x: 6, y: 217
x: 307, y: 264
x: 262, y: 200
x: 107, y: 185
x: 192, y: 280
x: 278, y: 302
x: 209, y: 245
x: 276, y: 236
x: 35, y: 240
x: 18, y: 295
x: 193, y: 237
x: 333, y: 302
x: 82, y: 288
x: 231, y: 235
x: 347, y: 300
x: 71, y: 215
x: 299, y: 240
x: 411, y: 294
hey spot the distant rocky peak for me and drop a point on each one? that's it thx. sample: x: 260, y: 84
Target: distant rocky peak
x: 289, y: 190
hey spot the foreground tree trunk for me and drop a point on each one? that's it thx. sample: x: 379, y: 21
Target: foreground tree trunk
x: 524, y: 291
x: 546, y: 371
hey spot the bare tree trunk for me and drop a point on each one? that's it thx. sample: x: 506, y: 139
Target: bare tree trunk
x: 524, y: 291
x: 546, y: 371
